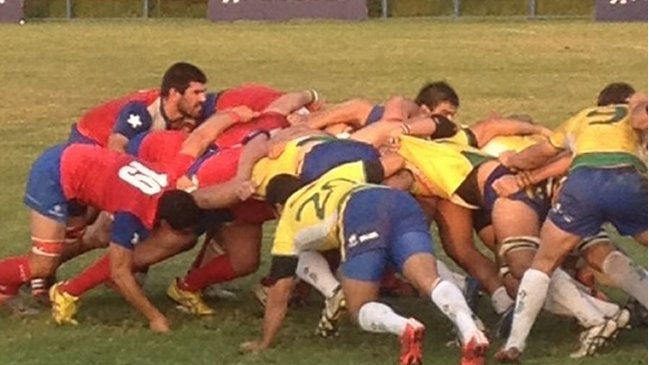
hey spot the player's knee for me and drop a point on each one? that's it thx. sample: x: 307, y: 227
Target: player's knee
x: 245, y: 264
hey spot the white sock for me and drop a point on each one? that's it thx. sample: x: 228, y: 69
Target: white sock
x: 449, y: 299
x: 564, y: 290
x: 445, y: 273
x: 500, y: 300
x: 531, y: 296
x: 378, y: 317
x: 627, y: 275
x: 314, y: 270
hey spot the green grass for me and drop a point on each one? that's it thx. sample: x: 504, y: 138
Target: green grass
x: 51, y: 72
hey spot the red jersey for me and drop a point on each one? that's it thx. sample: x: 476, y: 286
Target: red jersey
x: 143, y: 113
x: 113, y: 182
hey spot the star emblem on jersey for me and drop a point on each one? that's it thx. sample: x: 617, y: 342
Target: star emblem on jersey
x: 134, y: 120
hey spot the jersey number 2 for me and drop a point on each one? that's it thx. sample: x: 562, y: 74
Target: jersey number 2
x: 144, y: 179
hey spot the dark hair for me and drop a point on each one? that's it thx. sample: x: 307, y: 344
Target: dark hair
x: 434, y: 93
x: 178, y: 209
x: 178, y: 77
x: 615, y: 93
x: 281, y: 187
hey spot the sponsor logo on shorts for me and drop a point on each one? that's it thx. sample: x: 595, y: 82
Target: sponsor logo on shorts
x: 355, y: 240
x: 556, y: 209
x: 57, y: 211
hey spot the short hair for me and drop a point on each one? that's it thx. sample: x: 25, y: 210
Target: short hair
x: 281, y: 187
x: 434, y: 93
x: 179, y: 76
x: 179, y: 209
x: 615, y: 93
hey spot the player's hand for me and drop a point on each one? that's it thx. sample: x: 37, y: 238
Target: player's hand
x: 505, y: 158
x: 506, y: 186
x: 160, y: 325
x: 245, y: 113
x: 295, y: 118
x: 246, y: 190
x: 252, y: 346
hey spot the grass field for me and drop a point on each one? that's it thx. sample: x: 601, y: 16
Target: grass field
x: 51, y: 72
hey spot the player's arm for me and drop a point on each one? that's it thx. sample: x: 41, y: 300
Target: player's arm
x: 120, y: 251
x: 488, y: 129
x: 238, y: 188
x: 532, y: 157
x: 511, y: 184
x: 638, y: 110
x: 353, y: 112
x: 398, y: 109
x: 201, y: 138
x: 292, y: 101
x: 433, y: 126
x: 133, y: 119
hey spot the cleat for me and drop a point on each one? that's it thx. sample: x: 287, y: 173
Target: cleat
x: 622, y: 320
x: 472, y: 293
x: 260, y: 291
x: 510, y: 355
x: 504, y: 324
x: 411, y: 343
x: 189, y: 302
x: 18, y: 307
x: 473, y: 353
x: 638, y: 314
x: 331, y: 314
x: 64, y: 305
x: 220, y: 292
x: 595, y: 337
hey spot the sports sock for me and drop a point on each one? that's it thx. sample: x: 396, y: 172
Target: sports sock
x: 627, y: 275
x: 564, y: 291
x: 448, y: 298
x: 500, y: 300
x: 378, y: 317
x: 445, y: 273
x: 14, y: 272
x: 218, y: 270
x: 95, y: 274
x: 314, y: 269
x: 531, y: 296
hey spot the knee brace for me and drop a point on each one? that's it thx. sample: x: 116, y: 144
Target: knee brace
x: 517, y: 243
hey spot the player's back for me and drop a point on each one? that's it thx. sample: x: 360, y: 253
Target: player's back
x: 254, y: 96
x: 112, y: 182
x: 97, y: 123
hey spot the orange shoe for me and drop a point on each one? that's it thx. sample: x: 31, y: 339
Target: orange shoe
x: 473, y: 353
x: 411, y: 343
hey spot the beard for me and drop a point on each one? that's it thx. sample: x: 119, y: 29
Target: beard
x: 188, y: 111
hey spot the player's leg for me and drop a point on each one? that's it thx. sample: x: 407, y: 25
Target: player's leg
x: 361, y: 275
x: 314, y: 270
x: 456, y: 233
x: 242, y: 243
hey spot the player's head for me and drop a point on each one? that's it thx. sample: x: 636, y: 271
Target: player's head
x: 184, y: 85
x: 438, y: 98
x: 615, y: 93
x: 280, y: 188
x: 178, y: 210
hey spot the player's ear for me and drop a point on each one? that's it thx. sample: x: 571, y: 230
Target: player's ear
x: 277, y: 209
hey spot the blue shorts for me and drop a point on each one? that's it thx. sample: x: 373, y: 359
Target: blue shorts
x: 592, y: 196
x: 375, y: 115
x: 78, y: 138
x: 327, y: 155
x: 537, y: 199
x: 375, y: 237
x: 44, y: 192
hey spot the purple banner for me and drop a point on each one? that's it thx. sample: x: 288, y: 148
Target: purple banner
x: 11, y: 11
x: 621, y: 10
x: 229, y: 10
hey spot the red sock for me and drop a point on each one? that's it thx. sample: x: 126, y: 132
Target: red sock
x: 92, y: 276
x: 14, y: 272
x: 216, y: 271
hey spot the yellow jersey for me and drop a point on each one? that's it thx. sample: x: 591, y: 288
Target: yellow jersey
x: 440, y: 167
x: 311, y: 216
x: 600, y: 137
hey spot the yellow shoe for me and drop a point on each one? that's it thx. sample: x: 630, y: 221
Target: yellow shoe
x: 64, y: 305
x: 189, y: 302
